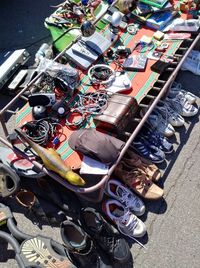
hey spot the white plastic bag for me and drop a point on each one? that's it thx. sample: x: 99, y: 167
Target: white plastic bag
x: 181, y: 25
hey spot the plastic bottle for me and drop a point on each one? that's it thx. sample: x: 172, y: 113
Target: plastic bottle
x: 43, y: 51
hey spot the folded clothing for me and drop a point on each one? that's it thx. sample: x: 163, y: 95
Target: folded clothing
x: 97, y: 145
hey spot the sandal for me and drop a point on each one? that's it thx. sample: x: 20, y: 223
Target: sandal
x: 137, y: 180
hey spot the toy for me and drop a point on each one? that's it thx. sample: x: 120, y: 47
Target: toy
x: 53, y: 161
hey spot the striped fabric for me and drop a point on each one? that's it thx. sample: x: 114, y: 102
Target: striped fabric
x: 141, y: 84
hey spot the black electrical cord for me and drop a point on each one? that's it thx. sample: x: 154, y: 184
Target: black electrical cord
x: 42, y: 131
x: 25, y: 46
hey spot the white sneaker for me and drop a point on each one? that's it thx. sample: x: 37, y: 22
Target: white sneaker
x: 117, y: 190
x: 191, y: 65
x: 194, y: 55
x: 127, y: 223
x: 175, y: 119
x: 161, y: 124
x: 182, y: 106
x: 176, y: 88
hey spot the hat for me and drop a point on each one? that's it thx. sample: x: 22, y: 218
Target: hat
x: 97, y: 145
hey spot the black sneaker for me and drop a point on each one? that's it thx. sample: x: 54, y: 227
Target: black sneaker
x: 107, y: 237
x: 81, y: 249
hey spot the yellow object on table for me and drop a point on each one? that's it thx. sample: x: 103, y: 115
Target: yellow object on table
x: 158, y: 35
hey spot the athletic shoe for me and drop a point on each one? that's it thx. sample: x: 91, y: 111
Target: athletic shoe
x: 157, y: 139
x: 81, y: 249
x: 127, y: 223
x: 156, y: 121
x: 145, y: 149
x: 118, y: 191
x: 181, y: 105
x: 105, y: 235
x: 194, y: 55
x: 170, y: 115
x: 191, y: 65
x: 176, y: 88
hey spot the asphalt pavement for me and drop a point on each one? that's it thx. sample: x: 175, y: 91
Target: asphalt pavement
x: 173, y: 223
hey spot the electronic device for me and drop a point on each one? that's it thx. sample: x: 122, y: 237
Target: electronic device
x: 98, y: 42
x: 107, y: 18
x: 44, y: 99
x: 112, y: 9
x: 95, y: 45
x: 60, y: 108
x: 39, y: 112
x: 10, y: 63
x: 123, y: 51
x: 83, y: 50
x: 18, y: 78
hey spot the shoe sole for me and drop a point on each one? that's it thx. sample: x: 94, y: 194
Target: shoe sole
x: 168, y: 152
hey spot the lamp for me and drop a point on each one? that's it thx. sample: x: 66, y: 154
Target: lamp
x: 114, y: 24
x: 87, y: 29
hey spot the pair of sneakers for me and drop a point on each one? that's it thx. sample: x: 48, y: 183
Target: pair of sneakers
x: 192, y: 62
x: 156, y: 138
x: 93, y: 242
x: 159, y: 122
x: 148, y: 149
x: 123, y: 208
x: 181, y: 101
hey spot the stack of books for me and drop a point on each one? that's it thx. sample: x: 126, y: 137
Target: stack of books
x: 156, y: 14
x: 159, y: 21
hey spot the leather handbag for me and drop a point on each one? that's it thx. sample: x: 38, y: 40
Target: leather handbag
x: 119, y: 110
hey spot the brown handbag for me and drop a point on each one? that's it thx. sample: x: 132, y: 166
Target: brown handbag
x: 119, y: 110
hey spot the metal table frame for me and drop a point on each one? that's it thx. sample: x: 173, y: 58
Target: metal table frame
x: 101, y: 184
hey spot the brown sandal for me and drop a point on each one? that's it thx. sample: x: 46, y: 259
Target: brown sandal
x: 137, y: 180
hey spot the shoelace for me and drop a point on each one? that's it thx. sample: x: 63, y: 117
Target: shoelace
x: 130, y: 224
x: 129, y: 201
x: 182, y: 101
x: 109, y: 242
x: 161, y: 121
x: 168, y: 112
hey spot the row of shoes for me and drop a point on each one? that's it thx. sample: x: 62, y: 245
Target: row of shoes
x: 122, y: 208
x: 140, y: 175
x: 192, y: 62
x: 152, y: 141
x: 93, y: 242
x: 124, y: 205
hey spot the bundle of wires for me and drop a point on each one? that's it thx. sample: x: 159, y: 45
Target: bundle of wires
x: 43, y: 131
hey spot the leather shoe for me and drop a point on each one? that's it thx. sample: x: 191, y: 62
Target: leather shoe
x: 134, y: 160
x: 137, y: 180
